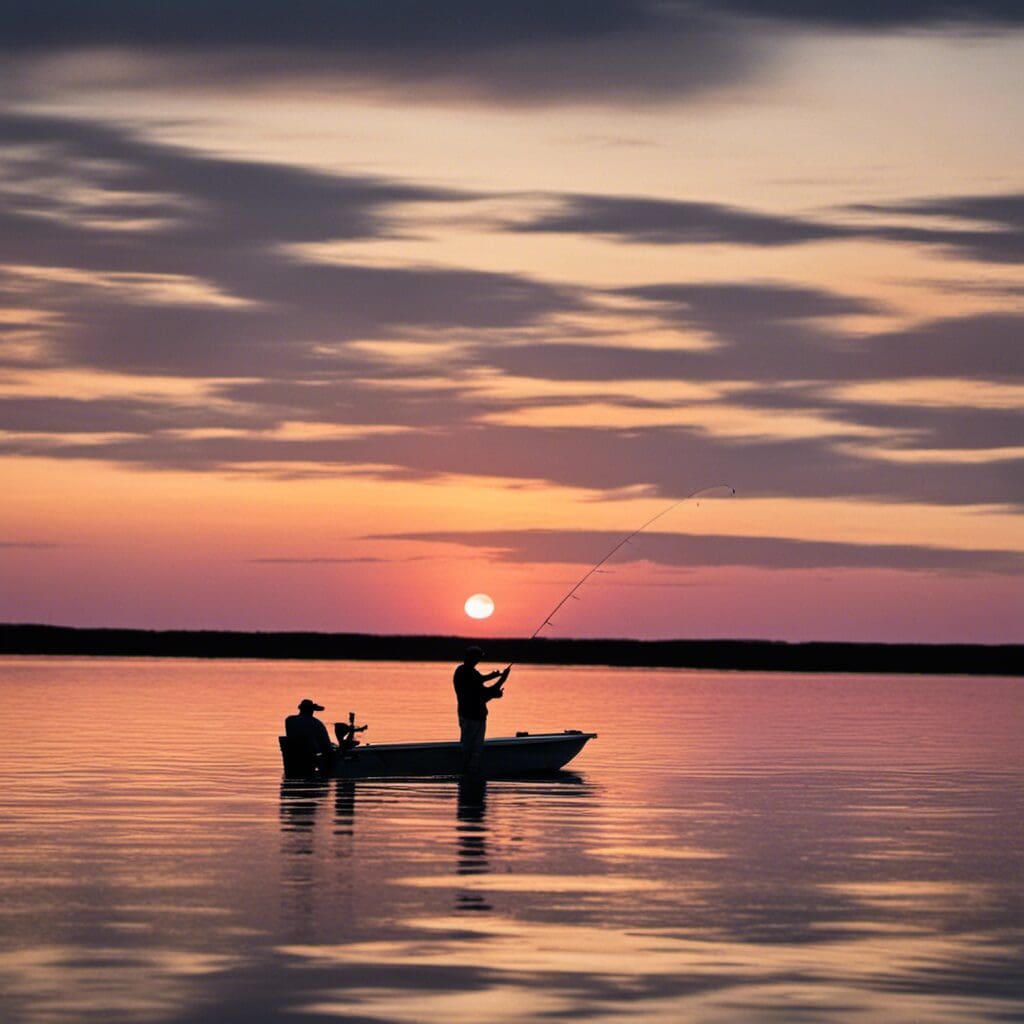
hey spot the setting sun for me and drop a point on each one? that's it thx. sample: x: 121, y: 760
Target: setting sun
x: 479, y: 606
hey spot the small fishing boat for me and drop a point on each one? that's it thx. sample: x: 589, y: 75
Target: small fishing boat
x: 503, y: 757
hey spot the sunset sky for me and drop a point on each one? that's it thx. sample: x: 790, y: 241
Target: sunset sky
x: 329, y: 315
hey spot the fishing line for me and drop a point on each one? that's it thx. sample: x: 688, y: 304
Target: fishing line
x: 621, y: 544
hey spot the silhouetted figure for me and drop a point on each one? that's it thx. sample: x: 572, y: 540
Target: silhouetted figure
x: 346, y: 733
x: 308, y: 740
x: 472, y: 697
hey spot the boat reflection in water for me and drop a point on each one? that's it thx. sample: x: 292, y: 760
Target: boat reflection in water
x: 330, y: 862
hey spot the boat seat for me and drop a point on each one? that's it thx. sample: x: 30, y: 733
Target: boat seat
x: 299, y: 763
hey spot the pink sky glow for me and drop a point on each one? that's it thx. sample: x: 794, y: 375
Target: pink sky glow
x: 330, y: 327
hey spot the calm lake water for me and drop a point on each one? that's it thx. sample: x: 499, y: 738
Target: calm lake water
x: 732, y: 848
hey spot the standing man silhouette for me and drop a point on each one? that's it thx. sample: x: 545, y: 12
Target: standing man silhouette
x: 472, y: 696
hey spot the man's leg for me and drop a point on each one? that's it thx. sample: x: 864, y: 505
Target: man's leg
x: 472, y: 739
x: 465, y: 728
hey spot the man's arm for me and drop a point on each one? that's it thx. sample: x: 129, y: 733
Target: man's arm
x: 323, y: 739
x: 494, y: 692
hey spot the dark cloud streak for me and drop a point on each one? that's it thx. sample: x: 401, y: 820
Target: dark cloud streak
x: 759, y: 338
x: 668, y: 460
x: 857, y: 14
x: 504, y: 51
x: 677, y: 550
x: 447, y: 26
x: 285, y: 345
x: 227, y: 223
x: 639, y: 219
x: 522, y: 52
x: 398, y: 26
x: 675, y: 222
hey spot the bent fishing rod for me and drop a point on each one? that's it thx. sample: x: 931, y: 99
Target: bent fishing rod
x: 621, y: 544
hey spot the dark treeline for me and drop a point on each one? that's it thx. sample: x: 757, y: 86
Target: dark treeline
x: 740, y: 655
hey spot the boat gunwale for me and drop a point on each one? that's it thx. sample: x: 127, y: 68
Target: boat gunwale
x: 498, y: 741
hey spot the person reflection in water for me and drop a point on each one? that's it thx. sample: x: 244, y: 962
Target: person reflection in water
x: 309, y: 735
x: 472, y: 696
x: 471, y: 826
x: 300, y: 804
x: 471, y: 836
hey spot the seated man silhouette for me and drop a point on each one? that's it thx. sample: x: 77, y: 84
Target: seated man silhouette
x: 308, y: 736
x: 472, y: 696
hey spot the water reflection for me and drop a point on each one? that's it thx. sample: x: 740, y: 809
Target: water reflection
x: 116, y: 985
x: 525, y: 969
x: 471, y: 837
x: 734, y: 849
x: 344, y: 807
x: 300, y: 801
x: 299, y: 808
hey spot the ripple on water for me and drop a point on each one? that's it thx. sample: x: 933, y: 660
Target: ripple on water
x: 730, y: 849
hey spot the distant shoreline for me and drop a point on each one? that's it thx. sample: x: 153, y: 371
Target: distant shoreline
x: 730, y: 655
